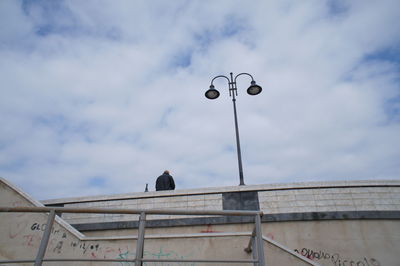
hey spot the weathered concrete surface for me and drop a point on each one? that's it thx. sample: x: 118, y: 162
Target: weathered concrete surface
x: 21, y: 233
x: 373, y: 195
x: 367, y: 242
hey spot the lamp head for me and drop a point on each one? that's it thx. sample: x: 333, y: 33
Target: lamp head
x: 254, y: 89
x: 212, y: 93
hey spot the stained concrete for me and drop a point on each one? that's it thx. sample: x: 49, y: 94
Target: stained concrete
x: 353, y: 233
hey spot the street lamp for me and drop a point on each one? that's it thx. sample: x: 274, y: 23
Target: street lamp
x: 212, y: 94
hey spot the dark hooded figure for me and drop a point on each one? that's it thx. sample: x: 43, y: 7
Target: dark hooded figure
x: 165, y: 182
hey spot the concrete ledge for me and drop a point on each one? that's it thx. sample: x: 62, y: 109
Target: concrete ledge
x: 281, y: 217
x: 220, y: 190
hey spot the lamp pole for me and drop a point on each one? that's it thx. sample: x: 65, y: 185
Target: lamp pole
x: 212, y: 94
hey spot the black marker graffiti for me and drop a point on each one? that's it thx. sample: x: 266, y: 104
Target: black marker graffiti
x: 336, y: 258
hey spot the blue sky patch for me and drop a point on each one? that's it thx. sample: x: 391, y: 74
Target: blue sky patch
x: 14, y: 165
x: 66, y: 129
x: 97, y: 181
x: 392, y: 109
x: 233, y: 26
x: 55, y: 18
x: 337, y: 7
x: 183, y: 59
x: 391, y: 54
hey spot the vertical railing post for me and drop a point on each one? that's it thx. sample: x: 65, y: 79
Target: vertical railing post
x: 45, y: 239
x: 255, y: 250
x: 259, y: 240
x: 140, y: 240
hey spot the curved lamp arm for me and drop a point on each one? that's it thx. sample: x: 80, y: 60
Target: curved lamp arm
x: 244, y: 74
x: 220, y: 76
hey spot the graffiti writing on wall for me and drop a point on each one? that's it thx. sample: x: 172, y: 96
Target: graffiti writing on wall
x: 17, y: 229
x: 336, y: 259
x: 29, y: 234
x: 209, y: 229
x: 42, y: 227
x: 161, y: 254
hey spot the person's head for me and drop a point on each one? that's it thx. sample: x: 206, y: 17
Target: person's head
x: 166, y: 172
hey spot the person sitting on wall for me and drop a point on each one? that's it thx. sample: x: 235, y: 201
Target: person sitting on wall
x: 165, y: 182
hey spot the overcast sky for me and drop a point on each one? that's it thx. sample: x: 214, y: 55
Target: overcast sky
x: 100, y: 97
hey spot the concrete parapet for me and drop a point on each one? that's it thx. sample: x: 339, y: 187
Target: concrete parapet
x: 330, y: 223
x: 338, y: 196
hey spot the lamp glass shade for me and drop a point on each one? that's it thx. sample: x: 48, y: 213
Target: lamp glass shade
x: 254, y: 89
x: 212, y: 94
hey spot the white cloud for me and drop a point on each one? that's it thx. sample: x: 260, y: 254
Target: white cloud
x: 100, y: 97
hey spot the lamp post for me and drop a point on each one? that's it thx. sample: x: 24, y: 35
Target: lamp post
x: 212, y: 94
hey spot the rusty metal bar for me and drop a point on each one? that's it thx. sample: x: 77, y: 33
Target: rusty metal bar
x: 249, y: 248
x: 15, y: 261
x: 129, y: 211
x: 45, y: 239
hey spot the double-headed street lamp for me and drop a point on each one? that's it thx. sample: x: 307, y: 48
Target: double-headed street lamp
x: 212, y: 94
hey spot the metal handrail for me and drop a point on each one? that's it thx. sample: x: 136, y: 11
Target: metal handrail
x: 258, y: 256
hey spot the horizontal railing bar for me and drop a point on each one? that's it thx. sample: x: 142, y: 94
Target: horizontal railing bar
x: 199, y: 260
x: 194, y: 235
x: 155, y: 260
x: 66, y: 259
x: 16, y: 261
x: 132, y: 260
x: 130, y: 211
x: 98, y: 260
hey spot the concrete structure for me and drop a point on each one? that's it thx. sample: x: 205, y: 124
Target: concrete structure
x: 331, y: 223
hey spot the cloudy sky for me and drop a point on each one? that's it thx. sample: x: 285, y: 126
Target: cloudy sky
x: 99, y: 97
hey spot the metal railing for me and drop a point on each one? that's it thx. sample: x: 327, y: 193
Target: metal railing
x: 256, y: 241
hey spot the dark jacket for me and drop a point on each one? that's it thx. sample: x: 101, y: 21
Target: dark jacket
x: 165, y: 182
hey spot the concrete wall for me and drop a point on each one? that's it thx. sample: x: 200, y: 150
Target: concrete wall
x: 21, y: 233
x: 374, y: 195
x: 359, y: 225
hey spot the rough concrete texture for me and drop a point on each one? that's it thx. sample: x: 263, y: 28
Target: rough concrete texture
x: 335, y: 196
x: 329, y: 242
x: 21, y: 233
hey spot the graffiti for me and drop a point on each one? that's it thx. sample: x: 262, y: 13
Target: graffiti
x: 85, y: 247
x: 31, y: 240
x: 42, y: 227
x: 270, y: 235
x: 161, y: 254
x: 17, y: 229
x: 124, y: 256
x: 58, y: 247
x: 209, y: 229
x: 336, y: 258
x: 36, y: 226
x: 167, y: 255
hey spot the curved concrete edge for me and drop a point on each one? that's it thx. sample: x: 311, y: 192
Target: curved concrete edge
x: 32, y: 202
x: 219, y: 190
